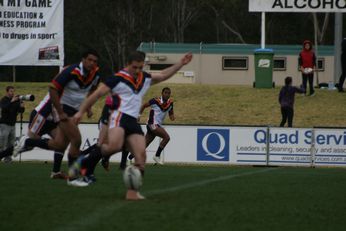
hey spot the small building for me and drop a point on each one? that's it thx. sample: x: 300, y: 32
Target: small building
x: 233, y: 63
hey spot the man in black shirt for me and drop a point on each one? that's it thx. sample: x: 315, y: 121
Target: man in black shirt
x: 10, y: 107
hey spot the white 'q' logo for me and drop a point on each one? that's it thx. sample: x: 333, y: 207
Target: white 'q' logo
x: 221, y: 148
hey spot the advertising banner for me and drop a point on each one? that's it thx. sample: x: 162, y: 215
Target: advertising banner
x: 32, y: 32
x: 297, y: 5
x: 266, y: 146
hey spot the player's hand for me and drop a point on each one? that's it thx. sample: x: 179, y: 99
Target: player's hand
x: 139, y: 118
x: 90, y: 113
x: 186, y: 59
x: 77, y: 117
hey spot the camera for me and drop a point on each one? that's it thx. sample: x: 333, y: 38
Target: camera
x: 27, y: 97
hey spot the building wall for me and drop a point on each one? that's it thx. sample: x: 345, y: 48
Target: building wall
x: 207, y: 69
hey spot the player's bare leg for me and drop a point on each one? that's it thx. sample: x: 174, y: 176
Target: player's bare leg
x: 136, y: 145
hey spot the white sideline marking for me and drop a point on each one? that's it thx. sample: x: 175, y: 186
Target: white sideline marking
x: 92, y: 218
x: 203, y: 182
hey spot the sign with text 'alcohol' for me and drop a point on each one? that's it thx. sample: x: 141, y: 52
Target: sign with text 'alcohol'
x: 297, y: 5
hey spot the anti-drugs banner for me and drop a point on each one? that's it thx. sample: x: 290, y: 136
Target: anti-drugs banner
x: 297, y: 5
x: 32, y: 32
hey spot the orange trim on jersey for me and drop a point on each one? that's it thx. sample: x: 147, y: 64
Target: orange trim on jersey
x: 117, y: 120
x: 56, y: 85
x: 135, y: 83
x: 164, y: 105
x: 89, y: 78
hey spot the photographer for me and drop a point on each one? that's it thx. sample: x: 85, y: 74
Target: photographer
x: 10, y: 107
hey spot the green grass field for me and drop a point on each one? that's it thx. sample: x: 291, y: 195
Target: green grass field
x: 190, y: 198
x: 178, y: 198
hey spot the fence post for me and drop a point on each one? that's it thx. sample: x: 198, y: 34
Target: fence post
x: 267, y: 145
x: 313, y: 149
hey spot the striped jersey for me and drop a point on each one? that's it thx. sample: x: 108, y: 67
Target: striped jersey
x: 74, y: 85
x: 159, y: 110
x: 127, y: 91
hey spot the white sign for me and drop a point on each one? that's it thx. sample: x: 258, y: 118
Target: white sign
x: 264, y: 63
x: 297, y: 5
x: 233, y: 146
x: 32, y: 32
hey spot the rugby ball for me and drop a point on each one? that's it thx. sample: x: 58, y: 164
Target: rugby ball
x: 132, y: 177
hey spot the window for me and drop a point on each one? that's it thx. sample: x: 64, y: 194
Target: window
x: 279, y: 64
x: 234, y: 63
x: 158, y: 67
x: 320, y: 64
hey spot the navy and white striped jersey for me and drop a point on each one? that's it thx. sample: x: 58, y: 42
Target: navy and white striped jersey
x: 74, y: 86
x: 159, y: 110
x: 128, y: 92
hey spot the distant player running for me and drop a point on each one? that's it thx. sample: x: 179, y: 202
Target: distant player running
x: 160, y: 107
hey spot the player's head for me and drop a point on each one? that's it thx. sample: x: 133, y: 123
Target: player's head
x: 89, y: 59
x: 135, y: 62
x: 166, y: 93
x: 288, y: 81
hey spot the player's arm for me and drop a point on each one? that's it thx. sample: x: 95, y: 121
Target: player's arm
x: 55, y: 99
x: 170, y: 71
x: 89, y: 110
x: 91, y: 100
x: 171, y: 115
x: 144, y: 106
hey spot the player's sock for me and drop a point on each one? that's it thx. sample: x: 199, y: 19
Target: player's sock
x: 123, y: 160
x: 158, y: 152
x: 88, y: 150
x: 58, y: 156
x: 6, y: 152
x: 41, y: 143
x: 71, y: 160
x: 92, y: 160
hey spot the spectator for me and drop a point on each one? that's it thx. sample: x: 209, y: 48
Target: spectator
x: 343, y: 66
x: 10, y: 107
x: 286, y: 100
x: 307, y: 63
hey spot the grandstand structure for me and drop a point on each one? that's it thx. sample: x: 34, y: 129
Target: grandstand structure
x: 233, y: 63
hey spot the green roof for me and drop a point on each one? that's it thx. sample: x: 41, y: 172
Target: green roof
x: 219, y: 48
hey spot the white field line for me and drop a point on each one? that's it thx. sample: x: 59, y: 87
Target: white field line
x: 88, y: 220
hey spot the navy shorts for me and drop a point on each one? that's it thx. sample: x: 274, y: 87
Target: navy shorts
x: 40, y: 125
x: 128, y: 123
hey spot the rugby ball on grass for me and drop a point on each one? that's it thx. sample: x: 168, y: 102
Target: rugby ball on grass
x: 132, y: 177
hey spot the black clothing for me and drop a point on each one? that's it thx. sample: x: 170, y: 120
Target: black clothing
x: 343, y: 66
x: 9, y: 111
x: 310, y: 78
x: 287, y: 114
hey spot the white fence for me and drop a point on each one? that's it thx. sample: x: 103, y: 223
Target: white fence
x: 235, y: 145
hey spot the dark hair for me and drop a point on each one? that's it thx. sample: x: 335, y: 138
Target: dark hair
x: 9, y: 88
x: 90, y: 52
x: 288, y: 80
x: 165, y: 88
x: 138, y: 56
